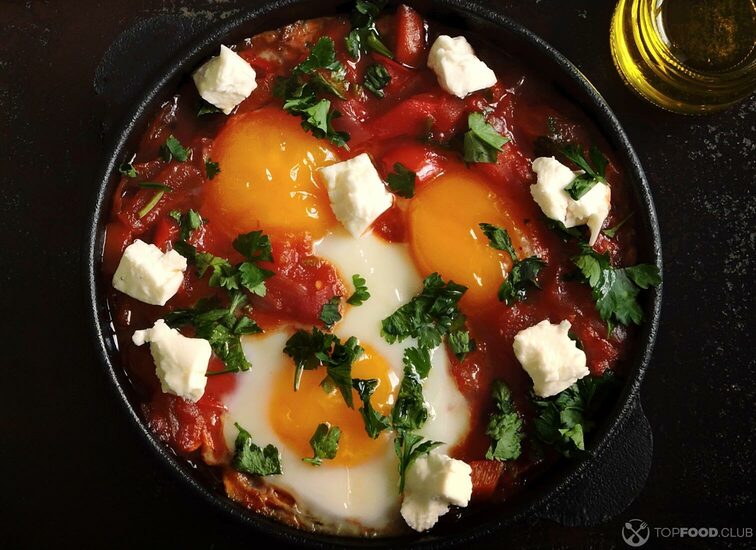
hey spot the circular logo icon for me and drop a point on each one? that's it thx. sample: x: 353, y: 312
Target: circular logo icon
x: 636, y: 533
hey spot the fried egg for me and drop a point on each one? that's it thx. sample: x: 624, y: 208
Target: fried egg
x: 361, y: 484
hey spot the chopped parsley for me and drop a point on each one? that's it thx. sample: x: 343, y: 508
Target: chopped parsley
x: 524, y: 273
x: 410, y: 411
x: 504, y: 427
x: 152, y: 203
x: 221, y: 326
x: 593, y: 174
x: 251, y: 459
x: 172, y: 149
x: 566, y: 233
x: 482, y: 143
x: 361, y: 293
x: 428, y: 316
x: 324, y: 443
x: 154, y: 185
x: 212, y: 169
x: 364, y: 35
x: 375, y: 422
x: 615, y: 290
x: 612, y: 231
x: 461, y: 344
x: 408, y: 448
x: 402, y: 181
x: 377, y: 78
x: 329, y: 313
x: 127, y: 169
x: 311, y: 350
x: 563, y: 420
x: 320, y: 70
x: 187, y: 222
x: 206, y: 108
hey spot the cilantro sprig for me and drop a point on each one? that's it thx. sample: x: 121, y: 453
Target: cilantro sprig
x: 504, y: 427
x: 317, y: 348
x: 410, y: 411
x: 364, y: 36
x: 402, y: 181
x: 377, y: 78
x: 562, y: 421
x: 212, y: 169
x: 611, y: 232
x: 615, y: 290
x: 408, y: 448
x: 173, y: 150
x: 188, y: 222
x: 524, y: 273
x: 361, y: 293
x: 482, y: 143
x: 375, y: 422
x: 324, y: 443
x: 329, y: 312
x: 461, y: 343
x: 127, y: 169
x: 583, y: 183
x: 251, y: 459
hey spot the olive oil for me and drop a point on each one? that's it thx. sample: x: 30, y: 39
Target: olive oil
x: 688, y: 56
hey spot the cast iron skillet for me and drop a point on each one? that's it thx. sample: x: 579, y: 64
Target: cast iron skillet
x: 501, y: 32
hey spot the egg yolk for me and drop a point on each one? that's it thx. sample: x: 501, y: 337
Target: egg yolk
x: 445, y: 235
x: 294, y: 415
x: 268, y: 177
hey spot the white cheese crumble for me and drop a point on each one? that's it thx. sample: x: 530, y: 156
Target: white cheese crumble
x: 458, y: 69
x: 148, y: 275
x: 225, y: 80
x: 592, y: 208
x: 180, y: 362
x: 433, y: 483
x: 550, y: 357
x: 357, y: 194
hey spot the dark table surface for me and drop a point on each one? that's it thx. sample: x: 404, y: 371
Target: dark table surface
x: 73, y: 469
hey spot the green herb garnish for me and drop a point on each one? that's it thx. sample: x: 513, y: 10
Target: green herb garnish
x: 408, y: 448
x: 612, y: 231
x: 207, y: 109
x: 504, y: 427
x: 361, y: 293
x: 172, y: 149
x: 151, y: 204
x: 251, y: 459
x: 593, y: 174
x: 375, y: 422
x: 482, y: 143
x: 324, y: 443
x: 127, y: 169
x: 410, y: 411
x: 329, y: 312
x: 402, y: 181
x: 377, y: 78
x: 212, y: 169
x: 187, y: 222
x: 364, y: 35
x: 460, y: 343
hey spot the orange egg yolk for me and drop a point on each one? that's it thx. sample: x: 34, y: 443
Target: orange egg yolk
x: 294, y: 415
x: 268, y: 177
x: 445, y: 235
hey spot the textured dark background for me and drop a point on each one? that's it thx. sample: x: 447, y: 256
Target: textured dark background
x: 73, y: 470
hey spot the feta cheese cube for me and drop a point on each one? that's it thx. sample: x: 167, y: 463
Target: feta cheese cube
x: 458, y: 69
x: 180, y: 362
x: 357, y: 194
x: 550, y: 357
x: 433, y: 483
x: 225, y: 80
x: 148, y: 275
x: 592, y: 208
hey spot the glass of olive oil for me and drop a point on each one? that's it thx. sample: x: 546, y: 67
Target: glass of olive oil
x: 687, y: 56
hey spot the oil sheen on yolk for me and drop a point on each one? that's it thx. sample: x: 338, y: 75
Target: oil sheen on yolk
x: 294, y: 415
x: 445, y: 236
x: 268, y: 176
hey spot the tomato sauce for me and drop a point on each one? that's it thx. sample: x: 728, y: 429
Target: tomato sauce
x: 413, y: 125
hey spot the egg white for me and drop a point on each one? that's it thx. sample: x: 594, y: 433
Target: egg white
x: 366, y: 493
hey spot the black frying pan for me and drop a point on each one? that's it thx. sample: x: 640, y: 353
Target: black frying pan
x: 501, y: 32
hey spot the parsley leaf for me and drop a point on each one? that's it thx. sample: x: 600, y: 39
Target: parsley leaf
x: 402, y: 181
x: 408, y: 448
x: 377, y: 78
x: 254, y: 246
x: 566, y: 233
x: 221, y: 326
x: 410, y: 410
x: 612, y: 231
x: 563, y: 420
x: 375, y: 422
x: 311, y: 350
x: 361, y: 294
x: 172, y: 149
x: 498, y: 238
x: 585, y: 182
x: 212, y: 169
x: 127, y: 169
x: 206, y: 108
x: 152, y: 203
x: 324, y: 443
x: 187, y: 222
x: 322, y: 56
x: 523, y: 275
x: 329, y: 313
x: 482, y: 143
x: 461, y: 344
x: 364, y: 35
x: 615, y: 290
x: 504, y: 427
x: 428, y: 316
x: 251, y: 459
